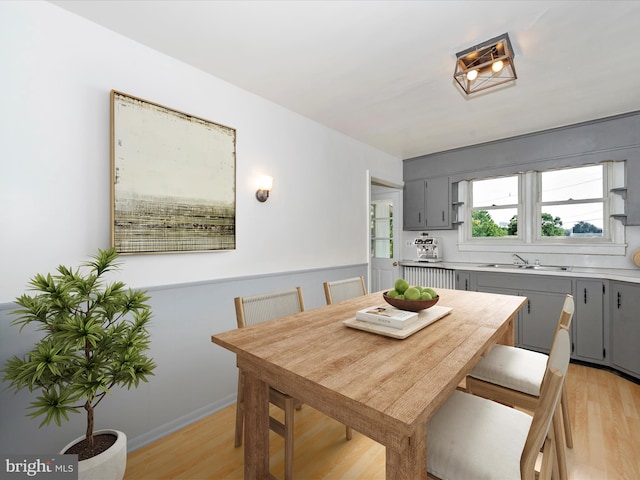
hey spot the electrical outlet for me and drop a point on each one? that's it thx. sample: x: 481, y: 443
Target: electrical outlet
x: 409, y: 243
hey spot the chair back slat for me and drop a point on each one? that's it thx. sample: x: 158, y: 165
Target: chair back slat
x: 260, y: 308
x: 340, y: 290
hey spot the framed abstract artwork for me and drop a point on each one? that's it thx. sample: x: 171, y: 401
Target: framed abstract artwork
x: 173, y: 180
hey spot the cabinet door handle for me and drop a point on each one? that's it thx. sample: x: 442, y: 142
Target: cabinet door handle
x: 528, y: 306
x: 619, y: 300
x: 443, y: 215
x: 585, y: 295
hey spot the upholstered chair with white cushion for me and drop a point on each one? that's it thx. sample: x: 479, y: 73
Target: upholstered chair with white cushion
x: 471, y: 437
x: 513, y: 375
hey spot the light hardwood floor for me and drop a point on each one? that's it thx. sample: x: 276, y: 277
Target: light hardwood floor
x: 605, y: 411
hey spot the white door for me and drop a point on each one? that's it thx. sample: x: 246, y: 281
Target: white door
x: 384, y: 234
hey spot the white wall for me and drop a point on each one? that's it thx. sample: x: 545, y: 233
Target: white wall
x: 57, y: 72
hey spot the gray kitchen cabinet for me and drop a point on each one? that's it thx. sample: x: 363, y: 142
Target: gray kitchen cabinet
x: 463, y: 280
x: 589, y: 321
x: 625, y: 327
x: 537, y: 320
x: 427, y: 204
x: 438, y: 204
x: 414, y: 196
x: 606, y: 323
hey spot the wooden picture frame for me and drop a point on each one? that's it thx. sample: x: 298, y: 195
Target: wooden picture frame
x: 173, y: 180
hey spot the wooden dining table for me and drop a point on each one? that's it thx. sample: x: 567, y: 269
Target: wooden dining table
x: 385, y: 388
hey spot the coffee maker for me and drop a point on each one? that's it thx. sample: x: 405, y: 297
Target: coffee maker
x: 429, y: 249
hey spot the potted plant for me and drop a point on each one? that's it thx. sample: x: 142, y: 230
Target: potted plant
x: 95, y: 338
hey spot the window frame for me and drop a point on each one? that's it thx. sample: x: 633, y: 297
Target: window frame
x: 529, y: 238
x: 606, y: 212
x: 519, y: 209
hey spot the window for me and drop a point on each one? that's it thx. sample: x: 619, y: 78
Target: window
x: 381, y: 225
x: 495, y: 206
x: 571, y: 203
x: 566, y: 210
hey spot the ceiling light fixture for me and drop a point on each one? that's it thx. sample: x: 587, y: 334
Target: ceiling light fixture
x: 485, y: 65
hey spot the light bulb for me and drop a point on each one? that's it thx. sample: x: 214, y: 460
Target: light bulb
x: 497, y: 66
x: 265, y: 182
x: 472, y: 75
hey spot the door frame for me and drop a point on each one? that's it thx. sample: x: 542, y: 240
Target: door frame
x: 398, y: 216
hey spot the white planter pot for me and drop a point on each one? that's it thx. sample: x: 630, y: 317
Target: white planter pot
x: 109, y: 465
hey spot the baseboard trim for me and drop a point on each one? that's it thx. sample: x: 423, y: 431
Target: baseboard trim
x: 615, y: 371
x: 181, y: 422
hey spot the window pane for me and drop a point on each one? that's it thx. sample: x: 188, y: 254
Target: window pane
x: 382, y: 248
x: 572, y: 184
x: 495, y: 192
x: 576, y: 220
x: 383, y: 227
x: 496, y: 222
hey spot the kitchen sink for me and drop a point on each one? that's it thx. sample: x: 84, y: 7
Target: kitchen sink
x: 499, y: 265
x: 520, y: 266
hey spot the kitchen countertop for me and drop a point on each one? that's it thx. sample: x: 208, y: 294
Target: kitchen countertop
x: 619, y: 274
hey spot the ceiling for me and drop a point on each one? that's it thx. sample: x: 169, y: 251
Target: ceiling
x: 382, y: 71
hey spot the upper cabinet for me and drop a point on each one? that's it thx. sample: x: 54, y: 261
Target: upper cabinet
x: 414, y: 196
x: 427, y: 204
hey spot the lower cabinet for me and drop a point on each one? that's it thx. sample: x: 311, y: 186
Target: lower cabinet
x: 589, y: 321
x: 537, y: 320
x: 463, y: 280
x: 625, y: 327
x: 606, y: 322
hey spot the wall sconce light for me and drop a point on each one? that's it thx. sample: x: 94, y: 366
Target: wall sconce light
x: 265, y: 184
x: 485, y: 65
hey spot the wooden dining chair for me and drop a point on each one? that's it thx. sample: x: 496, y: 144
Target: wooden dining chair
x: 254, y: 310
x: 251, y: 311
x: 513, y: 375
x: 340, y: 290
x: 473, y: 437
x: 510, y: 375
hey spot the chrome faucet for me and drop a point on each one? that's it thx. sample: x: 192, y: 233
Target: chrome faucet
x: 517, y: 257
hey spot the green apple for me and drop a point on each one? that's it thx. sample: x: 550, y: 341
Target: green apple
x: 392, y: 293
x: 431, y: 292
x: 412, y: 293
x: 401, y: 285
x: 425, y: 296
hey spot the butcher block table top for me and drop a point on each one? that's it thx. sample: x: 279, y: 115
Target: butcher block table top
x: 383, y: 387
